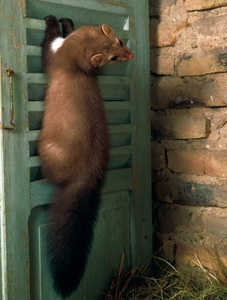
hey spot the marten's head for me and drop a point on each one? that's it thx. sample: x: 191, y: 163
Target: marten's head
x: 90, y: 47
x: 111, y: 48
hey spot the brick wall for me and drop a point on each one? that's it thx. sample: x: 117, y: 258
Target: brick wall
x: 189, y: 129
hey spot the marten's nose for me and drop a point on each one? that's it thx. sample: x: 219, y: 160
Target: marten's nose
x: 130, y: 56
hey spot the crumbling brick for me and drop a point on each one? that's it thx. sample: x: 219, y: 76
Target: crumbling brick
x: 203, y: 4
x: 180, y: 124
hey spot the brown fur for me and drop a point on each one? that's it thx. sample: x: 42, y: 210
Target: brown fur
x: 74, y: 142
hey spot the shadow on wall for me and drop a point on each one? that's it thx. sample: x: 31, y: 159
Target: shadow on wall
x: 188, y: 116
x: 188, y: 121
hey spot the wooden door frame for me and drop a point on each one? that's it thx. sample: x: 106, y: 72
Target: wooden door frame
x: 141, y: 136
x: 15, y: 185
x: 15, y: 197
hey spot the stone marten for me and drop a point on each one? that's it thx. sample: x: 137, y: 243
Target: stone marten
x: 74, y: 142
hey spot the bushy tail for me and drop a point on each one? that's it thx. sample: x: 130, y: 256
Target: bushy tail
x: 70, y: 237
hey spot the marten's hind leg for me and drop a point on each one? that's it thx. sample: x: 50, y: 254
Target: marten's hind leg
x: 51, y: 33
x: 67, y: 26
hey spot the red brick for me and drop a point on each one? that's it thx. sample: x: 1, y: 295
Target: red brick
x: 180, y: 220
x: 215, y: 221
x: 158, y: 7
x: 158, y: 157
x: 203, y: 62
x: 205, y: 29
x: 199, y: 190
x: 186, y: 161
x: 203, y: 4
x: 167, y: 247
x: 193, y: 255
x: 162, y: 61
x: 216, y: 163
x: 162, y: 192
x: 209, y: 90
x: 188, y: 124
x: 164, y: 33
x: 203, y: 258
x: 199, y: 162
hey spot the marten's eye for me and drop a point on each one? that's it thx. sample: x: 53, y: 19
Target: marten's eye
x: 113, y: 58
x: 121, y: 43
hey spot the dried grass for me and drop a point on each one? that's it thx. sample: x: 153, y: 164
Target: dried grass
x: 171, y: 284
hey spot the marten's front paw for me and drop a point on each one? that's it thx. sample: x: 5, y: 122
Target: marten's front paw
x: 52, y: 28
x: 51, y: 21
x: 67, y: 26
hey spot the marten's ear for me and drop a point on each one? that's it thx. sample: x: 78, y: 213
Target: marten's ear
x: 97, y: 60
x: 107, y: 30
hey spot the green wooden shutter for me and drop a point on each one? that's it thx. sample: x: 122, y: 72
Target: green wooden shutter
x: 124, y: 224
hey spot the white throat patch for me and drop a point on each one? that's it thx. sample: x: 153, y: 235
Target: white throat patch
x: 56, y: 44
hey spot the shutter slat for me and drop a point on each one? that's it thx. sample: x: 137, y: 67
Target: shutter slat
x: 104, y: 6
x: 33, y: 50
x: 115, y: 105
x: 36, y: 24
x: 34, y: 161
x: 40, y: 78
x: 114, y: 129
x: 116, y: 180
